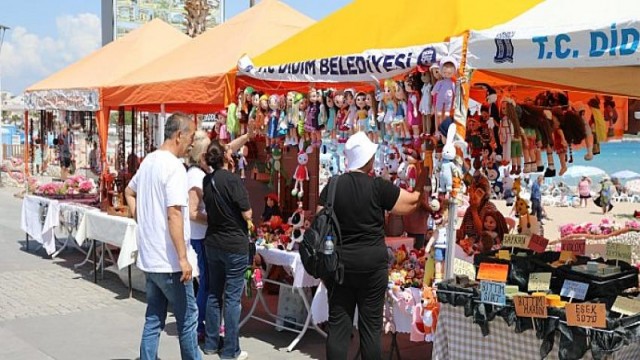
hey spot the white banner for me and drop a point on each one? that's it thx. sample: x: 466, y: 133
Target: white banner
x: 367, y: 66
x: 70, y: 100
x: 612, y: 44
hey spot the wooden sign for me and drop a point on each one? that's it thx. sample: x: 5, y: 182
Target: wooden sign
x: 575, y: 246
x: 538, y: 243
x: 493, y: 272
x: 588, y: 315
x: 539, y: 281
x: 461, y: 267
x: 514, y: 240
x: 574, y: 289
x: 504, y: 255
x: 531, y: 306
x: 626, y: 306
x: 617, y: 251
x: 492, y: 293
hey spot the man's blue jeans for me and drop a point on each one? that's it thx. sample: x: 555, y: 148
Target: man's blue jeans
x: 226, y: 282
x: 162, y: 289
x: 203, y: 282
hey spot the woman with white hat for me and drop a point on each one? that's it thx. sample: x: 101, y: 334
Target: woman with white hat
x: 360, y: 204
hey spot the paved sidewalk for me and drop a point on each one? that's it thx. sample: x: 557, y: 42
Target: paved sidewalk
x: 49, y: 310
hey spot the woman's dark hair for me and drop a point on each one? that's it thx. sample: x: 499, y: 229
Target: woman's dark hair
x: 215, y: 155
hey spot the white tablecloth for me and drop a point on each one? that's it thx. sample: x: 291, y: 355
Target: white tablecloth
x: 30, y: 220
x: 114, y: 230
x: 290, y: 260
x: 67, y: 212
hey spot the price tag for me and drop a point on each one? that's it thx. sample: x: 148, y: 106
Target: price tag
x: 492, y: 293
x: 513, y: 240
x: 539, y: 281
x: 617, y: 251
x: 504, y: 255
x: 493, y: 272
x: 575, y: 246
x: 531, y: 306
x: 538, y: 243
x: 626, y: 306
x: 461, y: 267
x: 588, y: 315
x: 574, y: 289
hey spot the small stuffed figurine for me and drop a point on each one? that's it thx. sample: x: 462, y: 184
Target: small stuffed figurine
x: 425, y: 317
x: 413, y: 118
x: 312, y: 114
x: 350, y: 99
x: 390, y: 108
x: 341, y: 117
x: 445, y: 89
x: 492, y: 233
x: 302, y: 173
x: 283, y: 124
x: 425, y: 101
x: 511, y: 135
x: 412, y: 159
x: 232, y: 119
x: 399, y: 124
x: 361, y: 111
x: 527, y: 224
x: 223, y: 133
x: 560, y: 145
x: 273, y: 119
x: 581, y: 109
x: 448, y: 167
x: 271, y: 207
x: 439, y: 242
x: 242, y: 161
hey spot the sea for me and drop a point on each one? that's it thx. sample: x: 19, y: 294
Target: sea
x: 616, y: 155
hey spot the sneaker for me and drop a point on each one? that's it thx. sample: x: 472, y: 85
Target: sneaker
x: 242, y: 356
x: 210, y: 352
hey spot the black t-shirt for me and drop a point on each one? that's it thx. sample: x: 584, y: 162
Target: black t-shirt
x: 227, y: 229
x: 359, y: 206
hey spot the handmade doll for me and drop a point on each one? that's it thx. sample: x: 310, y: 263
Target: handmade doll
x: 255, y: 105
x: 527, y: 223
x: 399, y: 123
x: 302, y: 116
x: 493, y: 231
x: 241, y: 163
x: 560, y: 145
x: 223, y: 133
x: 511, y: 136
x: 262, y: 115
x: 444, y: 90
x: 244, y: 108
x: 572, y: 129
x: 341, y: 117
x: 390, y: 107
x: 301, y: 173
x: 412, y: 159
x: 532, y: 116
x: 413, y: 118
x: 428, y: 147
x: 371, y: 125
x: 597, y: 120
x: 283, y: 123
x: 361, y: 111
x: 351, y: 121
x: 312, y: 112
x: 271, y: 207
x: 438, y: 241
x: 293, y: 113
x: 232, y: 119
x: 330, y: 124
x: 474, y: 138
x: 610, y: 114
x: 425, y: 101
x: 448, y: 168
x: 273, y: 119
x: 581, y: 110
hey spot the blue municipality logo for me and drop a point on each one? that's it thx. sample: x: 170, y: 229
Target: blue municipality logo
x: 504, y: 47
x: 427, y: 56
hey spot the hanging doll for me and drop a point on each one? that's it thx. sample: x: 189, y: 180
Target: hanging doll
x: 242, y: 161
x: 351, y: 121
x: 223, y: 133
x: 361, y: 111
x: 253, y: 112
x: 390, y: 108
x: 511, y: 136
x: 293, y: 113
x: 302, y: 117
x: 598, y: 123
x: 330, y: 124
x: 302, y: 173
x: 262, y: 114
x: 399, y: 122
x: 244, y: 108
x: 412, y: 159
x: 283, y: 123
x: 610, y: 114
x: 341, y: 117
x: 371, y: 124
x: 312, y: 112
x: 493, y: 231
x: 438, y: 241
x: 413, y: 119
x: 444, y: 90
x: 572, y: 130
x: 232, y: 118
x: 425, y: 101
x: 274, y: 118
x: 560, y: 145
x: 533, y: 119
x: 581, y: 110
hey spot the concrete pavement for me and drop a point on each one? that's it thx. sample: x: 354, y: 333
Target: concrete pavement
x: 49, y: 310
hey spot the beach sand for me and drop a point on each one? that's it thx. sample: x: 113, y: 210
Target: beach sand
x: 558, y: 216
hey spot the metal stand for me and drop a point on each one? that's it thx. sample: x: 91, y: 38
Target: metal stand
x: 260, y: 298
x: 129, y: 278
x: 26, y: 237
x: 451, y: 241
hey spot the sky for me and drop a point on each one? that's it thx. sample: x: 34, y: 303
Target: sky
x: 47, y: 35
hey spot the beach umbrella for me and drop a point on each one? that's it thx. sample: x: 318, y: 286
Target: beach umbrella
x: 633, y: 186
x: 625, y: 174
x: 580, y: 170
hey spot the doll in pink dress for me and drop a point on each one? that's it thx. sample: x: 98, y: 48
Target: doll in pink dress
x: 413, y: 118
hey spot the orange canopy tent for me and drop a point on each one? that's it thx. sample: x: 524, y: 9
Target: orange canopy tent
x: 200, y: 76
x: 80, y: 85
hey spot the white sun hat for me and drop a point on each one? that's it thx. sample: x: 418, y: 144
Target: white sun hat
x: 359, y: 150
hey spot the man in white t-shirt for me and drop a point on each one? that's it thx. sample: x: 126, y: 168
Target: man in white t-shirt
x: 158, y: 199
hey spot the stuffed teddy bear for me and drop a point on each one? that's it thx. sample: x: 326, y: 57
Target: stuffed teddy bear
x: 527, y: 224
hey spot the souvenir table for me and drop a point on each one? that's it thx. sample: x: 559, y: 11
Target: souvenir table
x: 70, y: 216
x: 291, y: 261
x: 38, y: 220
x: 113, y: 230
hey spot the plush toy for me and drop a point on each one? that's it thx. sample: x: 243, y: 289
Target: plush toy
x: 273, y: 119
x: 412, y: 159
x: 351, y: 120
x: 399, y: 124
x: 223, y: 133
x: 444, y: 90
x: 581, y: 110
x: 302, y: 111
x: 448, y: 168
x: 371, y: 125
x: 425, y: 101
x: 330, y: 124
x: 527, y: 224
x: 341, y: 117
x: 362, y: 112
x: 425, y: 317
x: 390, y: 107
x: 560, y: 145
x: 302, y: 173
x: 413, y: 118
x: 241, y: 163
x: 517, y: 186
x: 232, y: 119
x: 258, y: 267
x: 311, y: 125
x: 597, y: 118
x: 401, y: 255
x: 511, y: 135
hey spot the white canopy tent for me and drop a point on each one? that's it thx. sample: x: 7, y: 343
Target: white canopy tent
x: 589, y: 45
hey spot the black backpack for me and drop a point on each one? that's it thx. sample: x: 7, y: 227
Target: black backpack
x: 311, y: 248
